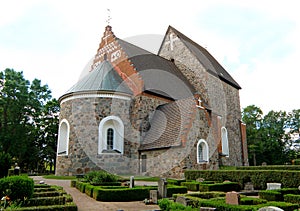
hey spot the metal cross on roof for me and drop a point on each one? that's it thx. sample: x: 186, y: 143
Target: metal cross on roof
x: 108, y: 17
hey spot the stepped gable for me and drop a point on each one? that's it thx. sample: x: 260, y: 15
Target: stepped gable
x: 160, y: 76
x: 103, y: 78
x: 206, y: 59
x: 170, y: 125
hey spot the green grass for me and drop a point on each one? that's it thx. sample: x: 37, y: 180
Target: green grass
x: 59, y: 177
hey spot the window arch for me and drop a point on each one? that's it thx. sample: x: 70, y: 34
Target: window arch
x: 111, y: 135
x: 63, y: 138
x: 202, y: 151
x: 225, y: 146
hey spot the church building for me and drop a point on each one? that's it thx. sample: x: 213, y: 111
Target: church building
x: 141, y: 113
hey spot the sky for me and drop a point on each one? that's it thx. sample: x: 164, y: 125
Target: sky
x: 256, y: 41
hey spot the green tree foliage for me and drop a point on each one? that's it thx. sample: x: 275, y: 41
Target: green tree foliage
x: 5, y: 163
x: 269, y: 137
x: 24, y: 108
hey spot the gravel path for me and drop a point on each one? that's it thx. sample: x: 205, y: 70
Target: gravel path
x: 86, y: 203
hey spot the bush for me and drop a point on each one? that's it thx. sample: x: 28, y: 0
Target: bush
x: 124, y: 194
x: 167, y: 205
x: 292, y: 198
x: 46, y: 201
x: 208, y: 195
x: 259, y: 178
x: 252, y: 201
x: 17, y: 187
x: 275, y: 167
x: 100, y: 177
x: 192, y: 186
x: 172, y: 189
x: 81, y: 186
x: 5, y: 163
x: 89, y: 190
x: 225, y: 187
x: 270, y: 195
x: 66, y: 207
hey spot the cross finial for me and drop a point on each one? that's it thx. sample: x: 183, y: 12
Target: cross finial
x: 108, y: 17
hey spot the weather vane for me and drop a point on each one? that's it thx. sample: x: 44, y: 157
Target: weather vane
x: 108, y: 17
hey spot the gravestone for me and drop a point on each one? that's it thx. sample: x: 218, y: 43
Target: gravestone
x: 162, y: 188
x: 232, y: 198
x: 270, y: 208
x: 273, y: 186
x: 264, y: 164
x: 207, y: 208
x: 200, y: 180
x: 183, y: 200
x: 154, y: 196
x: 131, y: 184
x: 249, y: 186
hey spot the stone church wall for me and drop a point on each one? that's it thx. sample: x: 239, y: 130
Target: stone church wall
x: 84, y: 116
x: 222, y: 99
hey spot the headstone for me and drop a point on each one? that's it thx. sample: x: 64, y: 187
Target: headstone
x: 162, y: 188
x: 249, y: 186
x: 17, y: 169
x: 207, y: 208
x: 200, y: 180
x: 273, y: 186
x: 183, y: 200
x: 131, y: 184
x: 298, y: 187
x: 270, y: 208
x: 263, y: 163
x: 154, y: 196
x: 232, y: 198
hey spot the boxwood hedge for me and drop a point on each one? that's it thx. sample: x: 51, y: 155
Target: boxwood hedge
x: 259, y: 178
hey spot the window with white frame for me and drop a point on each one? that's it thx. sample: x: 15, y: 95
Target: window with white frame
x: 111, y: 135
x: 225, y: 146
x: 63, y: 138
x: 202, y: 151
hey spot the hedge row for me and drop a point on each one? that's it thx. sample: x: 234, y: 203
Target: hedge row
x: 46, y: 194
x: 17, y: 187
x: 46, y: 201
x: 128, y: 194
x: 277, y: 167
x: 66, y: 207
x: 258, y: 178
x: 292, y: 198
x: 247, y: 204
x: 277, y: 195
x: 225, y: 187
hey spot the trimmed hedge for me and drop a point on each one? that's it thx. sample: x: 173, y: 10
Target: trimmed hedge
x: 20, y: 187
x: 259, y: 178
x: 252, y: 201
x: 292, y: 198
x: 225, y: 187
x: 277, y: 195
x: 67, y: 207
x: 270, y: 195
x: 46, y: 201
x: 175, y: 190
x: 89, y: 190
x: 46, y: 194
x: 125, y: 194
x: 276, y: 167
x: 37, y: 190
x: 81, y: 186
x: 192, y: 186
x: 208, y: 195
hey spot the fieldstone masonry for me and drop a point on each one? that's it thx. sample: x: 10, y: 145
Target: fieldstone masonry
x: 84, y: 110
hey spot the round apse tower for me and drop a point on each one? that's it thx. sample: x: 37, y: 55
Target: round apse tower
x: 93, y: 115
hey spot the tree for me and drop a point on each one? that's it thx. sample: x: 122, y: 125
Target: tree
x: 22, y: 107
x: 252, y: 116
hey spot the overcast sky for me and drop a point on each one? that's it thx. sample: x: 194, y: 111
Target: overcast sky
x: 256, y: 41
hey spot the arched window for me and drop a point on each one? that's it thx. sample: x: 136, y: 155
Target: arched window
x: 63, y: 138
x: 225, y: 146
x: 202, y: 151
x: 110, y: 139
x: 111, y: 135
